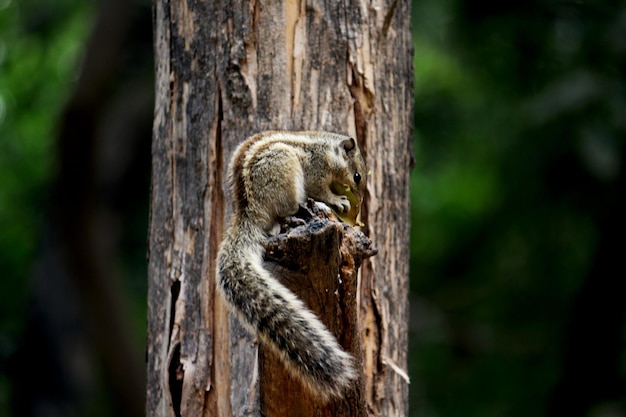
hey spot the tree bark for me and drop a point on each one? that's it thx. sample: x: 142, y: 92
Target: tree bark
x: 326, y: 280
x: 226, y: 70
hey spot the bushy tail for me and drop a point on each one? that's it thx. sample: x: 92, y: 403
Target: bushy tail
x: 306, y: 347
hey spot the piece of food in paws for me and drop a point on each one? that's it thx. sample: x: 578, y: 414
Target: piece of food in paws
x: 355, y: 204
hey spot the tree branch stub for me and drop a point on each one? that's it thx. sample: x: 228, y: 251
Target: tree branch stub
x: 317, y: 257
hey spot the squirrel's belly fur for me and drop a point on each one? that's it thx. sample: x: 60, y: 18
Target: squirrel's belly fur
x: 281, y: 321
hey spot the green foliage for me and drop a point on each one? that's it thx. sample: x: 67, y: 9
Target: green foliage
x: 39, y: 51
x: 517, y: 131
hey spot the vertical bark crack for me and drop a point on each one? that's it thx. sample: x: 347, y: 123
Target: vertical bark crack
x: 363, y: 105
x: 292, y: 12
x: 388, y: 17
x: 174, y: 292
x: 176, y: 376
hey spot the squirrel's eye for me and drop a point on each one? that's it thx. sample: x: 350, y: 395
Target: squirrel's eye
x: 357, y: 178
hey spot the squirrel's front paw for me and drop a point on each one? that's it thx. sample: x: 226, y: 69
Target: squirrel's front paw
x: 341, y: 204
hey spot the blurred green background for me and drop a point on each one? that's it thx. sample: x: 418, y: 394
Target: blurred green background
x: 517, y: 242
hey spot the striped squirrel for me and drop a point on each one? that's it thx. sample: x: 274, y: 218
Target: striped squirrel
x: 269, y: 175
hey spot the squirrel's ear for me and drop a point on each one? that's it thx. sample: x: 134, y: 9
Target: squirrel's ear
x: 348, y: 145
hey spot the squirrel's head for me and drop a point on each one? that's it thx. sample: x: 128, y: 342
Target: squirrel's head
x: 353, y: 179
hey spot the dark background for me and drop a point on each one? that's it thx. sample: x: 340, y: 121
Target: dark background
x: 517, y: 273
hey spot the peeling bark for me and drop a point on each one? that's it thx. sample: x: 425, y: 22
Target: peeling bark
x: 224, y: 72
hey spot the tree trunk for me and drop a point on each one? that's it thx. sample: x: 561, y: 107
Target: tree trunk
x: 226, y: 70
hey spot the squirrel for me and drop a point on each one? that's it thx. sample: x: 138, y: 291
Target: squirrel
x: 269, y: 176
